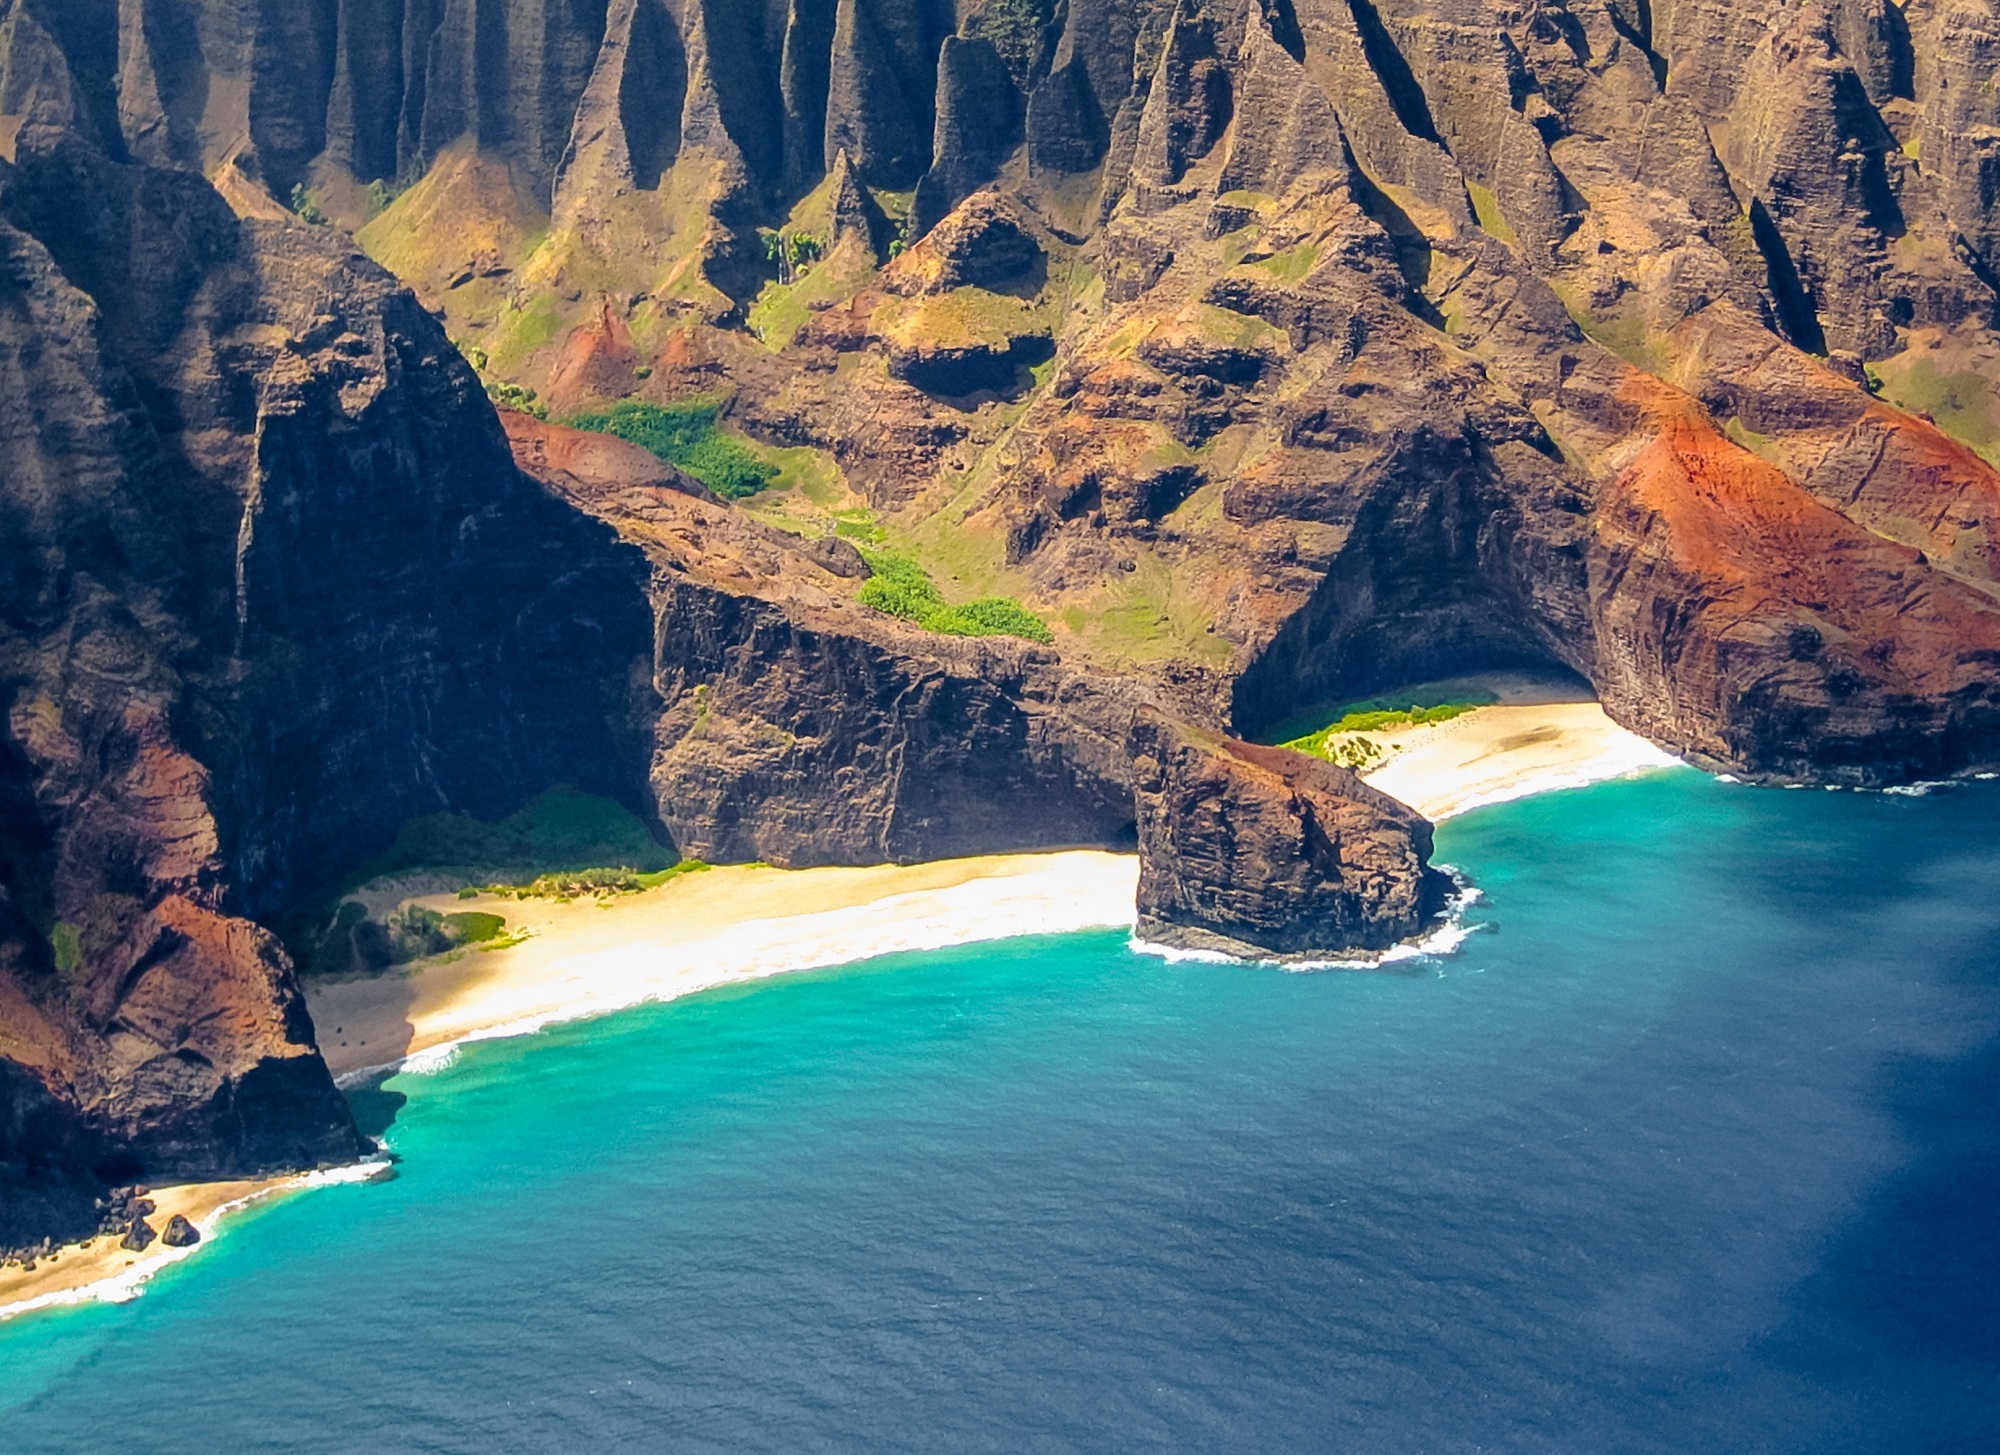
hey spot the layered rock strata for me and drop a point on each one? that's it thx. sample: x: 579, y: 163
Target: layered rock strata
x: 272, y: 585
x: 1250, y: 850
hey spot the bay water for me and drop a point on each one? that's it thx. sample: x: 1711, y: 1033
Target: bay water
x: 1694, y: 1146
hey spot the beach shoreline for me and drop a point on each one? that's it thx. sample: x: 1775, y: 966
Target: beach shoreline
x: 738, y: 923
x: 1507, y: 751
x: 100, y: 1270
x: 725, y: 925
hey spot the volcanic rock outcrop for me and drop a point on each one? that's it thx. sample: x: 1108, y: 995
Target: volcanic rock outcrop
x: 1250, y: 850
x: 271, y: 585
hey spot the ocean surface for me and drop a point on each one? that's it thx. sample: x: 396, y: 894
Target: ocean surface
x: 1695, y: 1147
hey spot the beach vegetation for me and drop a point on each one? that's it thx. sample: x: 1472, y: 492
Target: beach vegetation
x: 1339, y: 734
x: 67, y: 944
x: 415, y: 932
x: 568, y: 885
x: 562, y: 829
x: 901, y: 587
x: 474, y: 927
x: 684, y: 434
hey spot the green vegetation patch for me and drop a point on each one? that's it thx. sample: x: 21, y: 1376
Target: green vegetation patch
x: 571, y: 884
x: 685, y: 434
x: 962, y: 318
x: 1624, y: 334
x: 1963, y: 405
x: 1292, y: 264
x: 903, y: 588
x: 858, y: 524
x: 67, y: 944
x: 524, y: 332
x: 1373, y: 714
x: 562, y: 829
x: 1016, y: 29
x: 1486, y: 207
x: 474, y: 927
x: 553, y: 848
x: 1764, y: 446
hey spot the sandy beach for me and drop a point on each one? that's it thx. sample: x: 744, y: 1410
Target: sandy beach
x: 712, y: 928
x: 1508, y: 751
x: 100, y: 1270
x: 746, y: 922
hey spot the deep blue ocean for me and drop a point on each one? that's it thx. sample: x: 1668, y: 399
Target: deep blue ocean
x: 1696, y: 1147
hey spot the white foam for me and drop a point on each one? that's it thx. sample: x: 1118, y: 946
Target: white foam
x: 1924, y: 786
x: 1451, y: 932
x: 129, y: 1283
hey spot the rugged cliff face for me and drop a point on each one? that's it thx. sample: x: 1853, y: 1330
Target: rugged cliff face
x: 272, y: 585
x: 1288, y: 349
x: 1250, y: 850
x: 803, y: 728
x: 1270, y: 351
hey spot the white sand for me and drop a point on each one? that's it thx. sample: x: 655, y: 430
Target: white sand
x: 1494, y: 754
x: 99, y: 1270
x: 702, y: 930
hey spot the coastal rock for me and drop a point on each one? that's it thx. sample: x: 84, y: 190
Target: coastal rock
x: 250, y: 495
x: 139, y: 1237
x: 180, y: 1233
x: 802, y: 728
x: 1254, y: 850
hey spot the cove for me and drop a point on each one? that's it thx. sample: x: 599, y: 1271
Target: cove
x: 1692, y: 1147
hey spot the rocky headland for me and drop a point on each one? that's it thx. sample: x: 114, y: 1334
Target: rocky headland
x: 1118, y: 379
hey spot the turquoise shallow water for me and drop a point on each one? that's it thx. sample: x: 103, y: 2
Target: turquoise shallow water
x: 1693, y: 1149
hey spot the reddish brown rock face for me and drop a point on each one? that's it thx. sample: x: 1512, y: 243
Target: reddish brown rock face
x: 1255, y: 850
x: 1779, y: 631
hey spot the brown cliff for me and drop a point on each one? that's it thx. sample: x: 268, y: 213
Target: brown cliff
x: 1253, y: 850
x: 272, y: 585
x: 803, y: 728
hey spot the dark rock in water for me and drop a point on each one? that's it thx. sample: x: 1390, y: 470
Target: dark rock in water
x: 139, y: 1236
x: 1255, y: 850
x: 180, y: 1233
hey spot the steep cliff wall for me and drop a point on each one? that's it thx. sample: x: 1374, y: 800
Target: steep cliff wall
x: 1248, y: 849
x: 802, y: 728
x: 272, y: 586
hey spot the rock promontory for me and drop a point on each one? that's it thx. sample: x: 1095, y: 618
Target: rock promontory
x: 1255, y: 850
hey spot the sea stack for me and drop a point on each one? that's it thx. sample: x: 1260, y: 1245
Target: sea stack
x: 1260, y: 851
